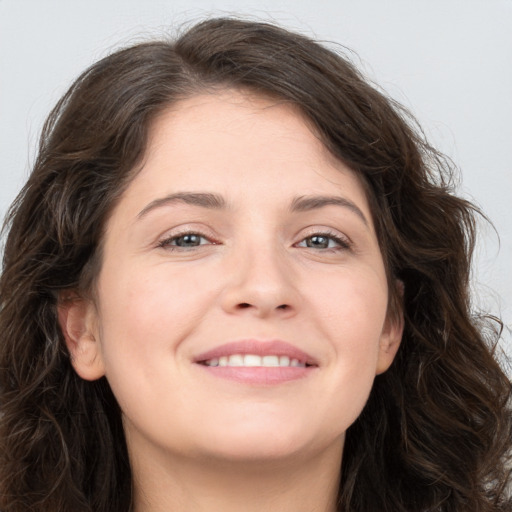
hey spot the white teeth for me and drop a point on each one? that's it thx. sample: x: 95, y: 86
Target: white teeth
x: 270, y: 360
x: 236, y: 360
x: 251, y: 360
x: 254, y: 360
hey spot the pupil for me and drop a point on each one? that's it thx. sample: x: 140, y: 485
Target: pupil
x: 318, y: 241
x: 187, y: 241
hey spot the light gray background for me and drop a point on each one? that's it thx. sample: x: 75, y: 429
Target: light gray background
x: 449, y: 61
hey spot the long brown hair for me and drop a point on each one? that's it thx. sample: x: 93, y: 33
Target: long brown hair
x: 435, y: 433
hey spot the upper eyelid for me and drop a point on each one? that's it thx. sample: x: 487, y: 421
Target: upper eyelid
x: 343, y: 242
x: 330, y: 232
x: 174, y: 236
x: 186, y: 229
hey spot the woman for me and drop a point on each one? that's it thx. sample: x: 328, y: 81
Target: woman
x: 237, y: 279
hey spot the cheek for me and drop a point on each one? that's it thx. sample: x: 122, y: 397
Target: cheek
x: 145, y: 314
x: 352, y: 310
x: 353, y: 305
x: 143, y: 302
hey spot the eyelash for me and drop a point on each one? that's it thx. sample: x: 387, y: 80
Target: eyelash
x: 167, y: 243
x: 342, y: 243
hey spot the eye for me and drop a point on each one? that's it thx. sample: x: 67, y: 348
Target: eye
x: 324, y: 241
x: 185, y: 241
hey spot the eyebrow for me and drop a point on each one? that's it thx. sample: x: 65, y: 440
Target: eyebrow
x: 203, y: 199
x: 217, y: 202
x: 307, y: 203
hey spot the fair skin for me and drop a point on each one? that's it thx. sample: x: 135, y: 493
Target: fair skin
x: 239, y: 228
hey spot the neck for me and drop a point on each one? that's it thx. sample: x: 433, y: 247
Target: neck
x: 163, y: 483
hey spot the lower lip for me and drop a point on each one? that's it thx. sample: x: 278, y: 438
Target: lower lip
x: 259, y: 375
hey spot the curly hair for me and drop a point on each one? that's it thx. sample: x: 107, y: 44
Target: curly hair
x: 435, y: 433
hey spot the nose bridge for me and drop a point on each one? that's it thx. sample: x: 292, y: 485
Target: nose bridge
x: 261, y: 278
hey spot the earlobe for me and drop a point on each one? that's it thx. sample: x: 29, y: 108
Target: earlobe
x: 389, y: 345
x: 391, y: 335
x: 78, y: 322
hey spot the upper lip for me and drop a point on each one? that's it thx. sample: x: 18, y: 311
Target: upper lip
x: 257, y: 347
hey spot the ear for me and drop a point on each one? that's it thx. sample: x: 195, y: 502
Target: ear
x: 391, y: 333
x: 78, y: 321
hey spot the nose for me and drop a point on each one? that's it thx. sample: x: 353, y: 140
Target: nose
x: 261, y: 283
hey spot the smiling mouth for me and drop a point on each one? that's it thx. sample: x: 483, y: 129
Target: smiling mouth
x: 256, y: 353
x: 255, y: 360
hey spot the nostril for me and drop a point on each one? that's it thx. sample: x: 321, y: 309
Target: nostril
x: 247, y: 305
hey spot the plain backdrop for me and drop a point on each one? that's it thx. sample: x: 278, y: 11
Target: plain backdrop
x: 448, y: 61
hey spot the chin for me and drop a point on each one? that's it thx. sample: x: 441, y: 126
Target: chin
x: 261, y: 443
x: 256, y: 452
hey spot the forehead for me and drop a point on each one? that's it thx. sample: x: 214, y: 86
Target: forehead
x: 243, y: 146
x: 239, y: 119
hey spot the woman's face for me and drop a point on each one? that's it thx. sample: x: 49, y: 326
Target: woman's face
x: 241, y: 242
